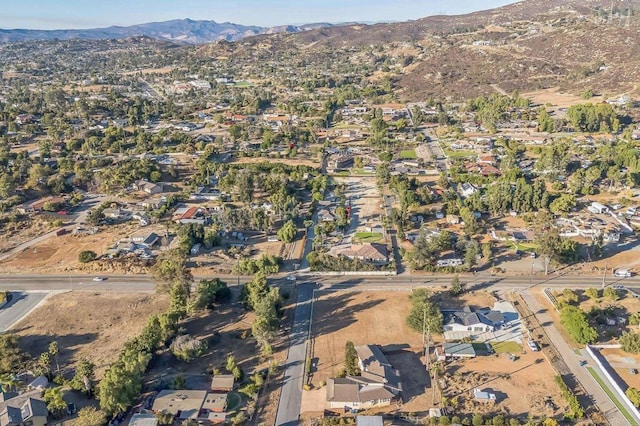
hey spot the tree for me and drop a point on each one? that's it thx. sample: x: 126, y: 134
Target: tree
x: 90, y: 416
x: 569, y: 296
x: 55, y: 402
x: 55, y: 352
x: 634, y: 396
x: 208, y: 292
x: 231, y: 363
x: 477, y: 420
x: 11, y: 358
x: 563, y: 204
x: 457, y: 287
x: 87, y: 256
x: 424, y: 314
x: 178, y: 300
x: 83, y: 377
x: 266, y: 320
x: 7, y: 382
x: 351, y: 360
x: 610, y: 293
x: 288, y: 232
x: 592, y: 293
x: 575, y: 322
x: 630, y: 342
x: 164, y: 418
x: 169, y: 269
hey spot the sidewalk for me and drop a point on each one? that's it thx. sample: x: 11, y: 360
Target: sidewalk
x: 600, y: 398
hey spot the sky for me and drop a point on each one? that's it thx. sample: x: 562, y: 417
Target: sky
x: 76, y: 14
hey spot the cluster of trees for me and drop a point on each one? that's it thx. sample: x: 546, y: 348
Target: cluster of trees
x: 320, y: 261
x: 575, y: 409
x: 630, y: 342
x: 577, y: 325
x: 193, y: 233
x: 599, y: 117
x: 266, y: 264
x: 556, y: 249
x: 424, y: 314
x: 427, y: 249
x: 288, y: 232
x: 496, y: 107
x: 265, y: 302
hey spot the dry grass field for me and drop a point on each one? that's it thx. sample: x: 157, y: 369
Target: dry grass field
x: 87, y: 325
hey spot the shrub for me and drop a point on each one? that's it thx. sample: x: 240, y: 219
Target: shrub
x: 630, y: 342
x: 186, y: 348
x: 634, y: 396
x: 87, y: 256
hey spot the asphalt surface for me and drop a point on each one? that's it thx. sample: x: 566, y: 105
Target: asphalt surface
x: 291, y: 395
x: 20, y: 306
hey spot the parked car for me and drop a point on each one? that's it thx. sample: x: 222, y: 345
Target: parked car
x: 633, y: 371
x: 583, y: 363
x: 533, y: 346
x: 99, y: 278
x: 291, y: 278
x: 622, y: 273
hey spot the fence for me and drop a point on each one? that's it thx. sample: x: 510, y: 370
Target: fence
x: 613, y: 383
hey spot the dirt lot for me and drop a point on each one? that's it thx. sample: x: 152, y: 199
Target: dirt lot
x: 557, y: 99
x: 375, y: 317
x: 622, y: 362
x: 60, y: 254
x: 521, y: 387
x: 86, y: 325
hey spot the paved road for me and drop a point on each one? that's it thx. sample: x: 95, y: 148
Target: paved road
x: 291, y: 395
x: 19, y: 307
x: 608, y: 408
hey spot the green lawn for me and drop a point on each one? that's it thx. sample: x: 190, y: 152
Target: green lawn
x: 242, y: 84
x: 461, y: 153
x: 408, y: 154
x: 368, y: 237
x: 506, y: 347
x: 526, y: 246
x: 341, y: 173
x: 611, y: 395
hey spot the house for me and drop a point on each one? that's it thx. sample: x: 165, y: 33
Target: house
x: 468, y: 322
x: 38, y: 205
x: 190, y: 215
x: 148, y: 187
x: 455, y: 350
x: 147, y: 240
x: 597, y: 208
x: 24, y: 409
x: 325, y: 215
x: 378, y: 385
x: 113, y: 213
x: 222, y: 383
x: 467, y: 189
x: 39, y: 383
x: 370, y: 253
x: 339, y: 162
x: 483, y: 396
x: 201, y: 406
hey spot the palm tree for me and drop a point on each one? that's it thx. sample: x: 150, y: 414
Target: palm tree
x: 7, y: 382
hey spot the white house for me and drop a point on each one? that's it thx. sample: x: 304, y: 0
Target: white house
x: 468, y: 189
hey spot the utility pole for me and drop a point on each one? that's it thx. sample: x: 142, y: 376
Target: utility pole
x: 604, y: 275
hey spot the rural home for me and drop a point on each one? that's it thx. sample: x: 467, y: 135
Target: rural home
x: 148, y: 187
x: 38, y: 205
x: 454, y: 350
x: 467, y: 189
x: 370, y: 253
x: 468, y: 323
x: 145, y: 240
x: 202, y: 406
x: 378, y: 385
x: 25, y: 409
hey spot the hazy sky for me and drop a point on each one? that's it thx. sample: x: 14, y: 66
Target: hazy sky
x: 50, y: 14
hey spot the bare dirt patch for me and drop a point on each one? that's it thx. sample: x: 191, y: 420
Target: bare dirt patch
x: 558, y: 99
x: 87, y: 325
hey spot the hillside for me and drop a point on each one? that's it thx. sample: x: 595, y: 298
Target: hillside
x: 532, y: 44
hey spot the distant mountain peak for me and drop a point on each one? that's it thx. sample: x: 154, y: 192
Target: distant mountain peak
x: 180, y: 30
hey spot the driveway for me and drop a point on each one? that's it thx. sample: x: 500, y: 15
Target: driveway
x: 608, y: 408
x: 20, y: 306
x: 291, y: 395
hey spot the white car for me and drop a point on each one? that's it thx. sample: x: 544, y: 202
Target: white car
x: 98, y: 278
x: 622, y: 273
x: 291, y: 278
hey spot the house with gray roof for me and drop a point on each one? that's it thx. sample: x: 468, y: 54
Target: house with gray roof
x: 468, y: 322
x: 27, y: 408
x: 377, y: 386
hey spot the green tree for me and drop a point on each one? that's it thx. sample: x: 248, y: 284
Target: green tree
x: 83, y: 377
x: 423, y: 313
x: 456, y: 287
x: 477, y: 420
x: 634, y: 396
x: 630, y: 342
x: 288, y: 232
x: 592, y: 293
x: 54, y: 351
x: 575, y: 322
x: 266, y: 321
x: 169, y: 269
x: 90, y: 416
x: 351, y: 359
x: 610, y: 293
x: 87, y: 256
x: 55, y: 402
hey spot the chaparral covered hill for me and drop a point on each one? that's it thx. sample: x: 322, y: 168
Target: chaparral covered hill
x: 576, y: 45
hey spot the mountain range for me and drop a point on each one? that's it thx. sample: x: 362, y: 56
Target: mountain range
x: 185, y: 31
